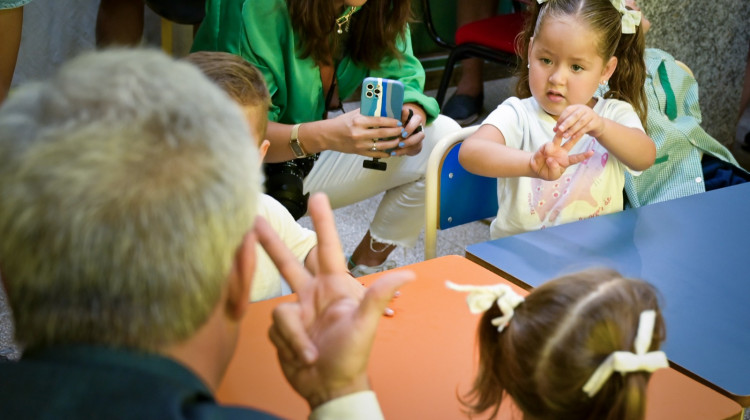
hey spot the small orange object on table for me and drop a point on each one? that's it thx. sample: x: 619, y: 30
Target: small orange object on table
x: 425, y: 356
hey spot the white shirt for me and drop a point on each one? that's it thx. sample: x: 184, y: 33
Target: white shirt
x: 588, y: 189
x: 357, y: 406
x: 267, y: 281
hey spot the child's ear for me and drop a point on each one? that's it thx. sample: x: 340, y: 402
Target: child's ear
x: 609, y: 68
x: 263, y: 148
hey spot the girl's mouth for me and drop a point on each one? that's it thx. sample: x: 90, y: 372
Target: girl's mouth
x: 555, y: 96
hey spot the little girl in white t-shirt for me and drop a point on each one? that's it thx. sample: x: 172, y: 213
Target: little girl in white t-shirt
x: 559, y: 153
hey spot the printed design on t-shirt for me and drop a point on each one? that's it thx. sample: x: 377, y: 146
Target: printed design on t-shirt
x: 549, y: 198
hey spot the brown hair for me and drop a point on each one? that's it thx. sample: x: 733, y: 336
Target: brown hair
x: 557, y: 338
x: 627, y: 82
x: 238, y: 78
x: 374, y: 30
x: 241, y: 80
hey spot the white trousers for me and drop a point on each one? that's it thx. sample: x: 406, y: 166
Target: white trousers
x: 400, y: 216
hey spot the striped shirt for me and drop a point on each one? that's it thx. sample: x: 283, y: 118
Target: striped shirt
x: 673, y: 123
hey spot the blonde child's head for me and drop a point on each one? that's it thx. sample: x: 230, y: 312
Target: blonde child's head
x: 601, y: 32
x: 557, y: 338
x: 242, y: 82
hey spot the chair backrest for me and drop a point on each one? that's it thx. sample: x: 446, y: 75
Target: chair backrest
x: 498, y: 32
x: 454, y: 196
x: 518, y: 7
x: 491, y: 39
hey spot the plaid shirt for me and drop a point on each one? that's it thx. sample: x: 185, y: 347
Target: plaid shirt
x: 673, y: 123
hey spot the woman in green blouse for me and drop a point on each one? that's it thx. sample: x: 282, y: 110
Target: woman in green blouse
x: 312, y: 53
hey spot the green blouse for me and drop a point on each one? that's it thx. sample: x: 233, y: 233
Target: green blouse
x: 261, y: 32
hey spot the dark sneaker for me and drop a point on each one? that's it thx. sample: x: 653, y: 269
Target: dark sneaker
x: 464, y: 109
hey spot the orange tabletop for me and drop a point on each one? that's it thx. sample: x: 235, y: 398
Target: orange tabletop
x: 425, y: 356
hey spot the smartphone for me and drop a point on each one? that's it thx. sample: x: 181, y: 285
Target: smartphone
x: 381, y: 98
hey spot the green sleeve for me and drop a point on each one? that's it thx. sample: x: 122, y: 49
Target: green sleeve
x: 268, y: 41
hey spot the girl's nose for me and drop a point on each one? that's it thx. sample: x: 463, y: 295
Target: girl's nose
x: 557, y: 77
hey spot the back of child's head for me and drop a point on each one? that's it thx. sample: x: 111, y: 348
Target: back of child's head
x: 242, y: 81
x: 557, y: 338
x: 237, y: 77
x: 604, y: 18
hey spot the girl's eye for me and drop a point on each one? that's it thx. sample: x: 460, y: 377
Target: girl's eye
x: 546, y: 60
x: 576, y: 68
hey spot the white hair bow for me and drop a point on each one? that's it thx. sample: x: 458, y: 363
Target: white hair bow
x: 481, y: 298
x: 630, y: 18
x: 625, y: 361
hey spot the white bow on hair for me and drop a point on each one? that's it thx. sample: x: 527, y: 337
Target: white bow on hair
x: 481, y: 298
x: 625, y: 361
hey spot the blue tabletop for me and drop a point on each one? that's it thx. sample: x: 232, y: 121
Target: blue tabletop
x: 695, y: 250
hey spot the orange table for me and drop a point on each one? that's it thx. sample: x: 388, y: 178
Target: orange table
x: 425, y: 355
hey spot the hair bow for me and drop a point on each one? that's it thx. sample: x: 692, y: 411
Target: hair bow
x: 481, y: 298
x: 630, y: 18
x: 625, y: 361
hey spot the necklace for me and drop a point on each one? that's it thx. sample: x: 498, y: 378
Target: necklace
x: 344, y: 20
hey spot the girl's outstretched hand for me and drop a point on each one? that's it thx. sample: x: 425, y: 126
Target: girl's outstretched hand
x: 553, y: 158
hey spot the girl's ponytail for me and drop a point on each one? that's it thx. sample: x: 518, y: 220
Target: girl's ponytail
x: 628, y: 400
x: 628, y: 81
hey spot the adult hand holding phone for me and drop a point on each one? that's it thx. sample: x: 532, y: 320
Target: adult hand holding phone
x: 414, y: 119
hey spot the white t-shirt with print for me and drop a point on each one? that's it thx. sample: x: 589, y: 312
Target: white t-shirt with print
x: 267, y: 281
x: 588, y: 189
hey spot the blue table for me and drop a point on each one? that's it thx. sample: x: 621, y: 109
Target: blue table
x: 695, y: 250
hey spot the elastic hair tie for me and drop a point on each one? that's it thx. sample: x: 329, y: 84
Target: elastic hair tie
x: 481, y: 298
x: 630, y: 18
x: 625, y: 361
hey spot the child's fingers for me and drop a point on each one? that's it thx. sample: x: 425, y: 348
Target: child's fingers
x: 565, y: 120
x: 579, y: 157
x: 557, y: 140
x: 572, y: 141
x: 569, y: 124
x: 553, y: 166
